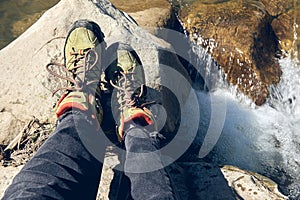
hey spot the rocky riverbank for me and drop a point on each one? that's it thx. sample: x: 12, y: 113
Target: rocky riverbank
x: 26, y: 85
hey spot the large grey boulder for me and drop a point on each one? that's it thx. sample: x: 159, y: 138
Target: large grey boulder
x: 25, y: 84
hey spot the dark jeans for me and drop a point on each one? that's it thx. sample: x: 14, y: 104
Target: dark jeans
x: 69, y: 164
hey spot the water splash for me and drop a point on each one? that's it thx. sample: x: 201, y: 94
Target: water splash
x: 285, y: 96
x: 206, y: 69
x: 262, y: 139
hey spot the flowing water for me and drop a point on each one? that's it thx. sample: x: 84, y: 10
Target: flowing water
x: 263, y: 139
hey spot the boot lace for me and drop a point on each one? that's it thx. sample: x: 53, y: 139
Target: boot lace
x: 77, y: 77
x: 132, y: 94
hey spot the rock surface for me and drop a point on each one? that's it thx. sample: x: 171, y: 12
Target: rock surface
x: 276, y: 8
x: 26, y: 85
x: 203, y: 180
x: 148, y: 14
x: 206, y: 181
x: 285, y: 24
x: 10, y: 126
x: 251, y: 186
x: 105, y: 192
x: 239, y: 38
x: 6, y: 178
x: 31, y: 95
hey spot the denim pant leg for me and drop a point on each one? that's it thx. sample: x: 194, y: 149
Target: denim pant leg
x: 62, y: 168
x: 144, y: 167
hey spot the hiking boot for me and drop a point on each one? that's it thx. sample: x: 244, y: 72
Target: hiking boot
x: 126, y: 75
x: 82, y: 64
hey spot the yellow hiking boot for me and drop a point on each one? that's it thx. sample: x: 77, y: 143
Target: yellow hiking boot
x: 82, y: 63
x: 126, y: 75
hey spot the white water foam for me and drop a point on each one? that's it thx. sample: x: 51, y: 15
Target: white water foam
x: 263, y: 139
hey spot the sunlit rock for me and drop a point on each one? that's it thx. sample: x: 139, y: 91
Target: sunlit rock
x: 286, y: 24
x: 26, y: 85
x: 148, y: 14
x: 251, y: 186
x: 277, y: 7
x: 240, y: 39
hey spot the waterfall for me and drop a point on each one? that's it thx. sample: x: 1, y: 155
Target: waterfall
x: 262, y: 139
x: 285, y: 96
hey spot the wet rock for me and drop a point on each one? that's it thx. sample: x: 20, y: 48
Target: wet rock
x: 286, y: 14
x: 240, y: 39
x: 277, y: 7
x: 249, y: 185
x: 286, y: 27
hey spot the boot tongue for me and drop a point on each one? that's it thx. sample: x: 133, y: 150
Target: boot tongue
x: 79, y: 41
x: 128, y: 62
x: 84, y: 41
